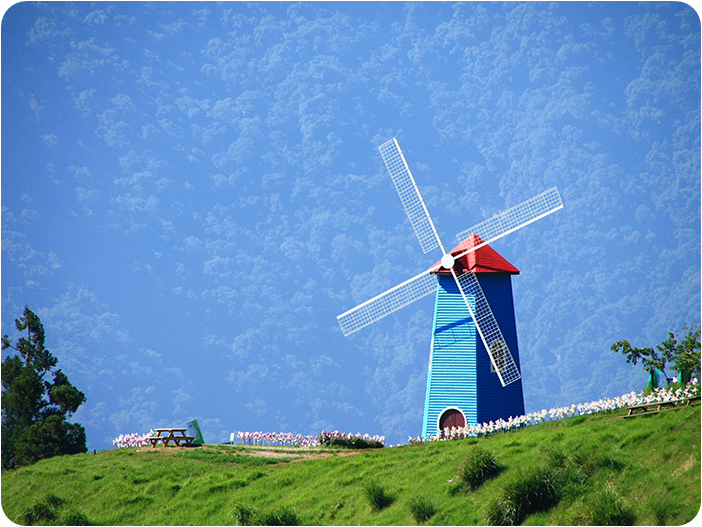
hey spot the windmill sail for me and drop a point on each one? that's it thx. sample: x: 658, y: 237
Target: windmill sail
x: 424, y: 284
x: 512, y: 219
x: 409, y: 195
x: 388, y: 302
x: 487, y: 327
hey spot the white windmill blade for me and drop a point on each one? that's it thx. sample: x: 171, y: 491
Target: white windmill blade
x: 512, y: 219
x: 409, y: 195
x: 388, y: 302
x: 487, y: 327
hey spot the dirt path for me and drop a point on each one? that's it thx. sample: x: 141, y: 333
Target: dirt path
x: 299, y: 454
x: 296, y: 453
x: 254, y: 451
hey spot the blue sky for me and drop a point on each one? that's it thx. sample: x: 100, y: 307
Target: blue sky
x: 192, y: 192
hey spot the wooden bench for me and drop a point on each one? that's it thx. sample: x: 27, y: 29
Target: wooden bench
x: 177, y: 435
x: 177, y: 440
x: 655, y: 407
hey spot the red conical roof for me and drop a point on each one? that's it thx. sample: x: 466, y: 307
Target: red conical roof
x: 483, y: 260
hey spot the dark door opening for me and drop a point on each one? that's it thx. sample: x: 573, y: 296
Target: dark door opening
x: 451, y: 418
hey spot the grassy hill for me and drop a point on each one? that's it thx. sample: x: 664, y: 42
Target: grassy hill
x: 595, y: 469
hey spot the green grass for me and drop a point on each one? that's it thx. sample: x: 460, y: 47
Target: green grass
x: 588, y: 470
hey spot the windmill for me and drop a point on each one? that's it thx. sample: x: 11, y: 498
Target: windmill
x: 469, y: 353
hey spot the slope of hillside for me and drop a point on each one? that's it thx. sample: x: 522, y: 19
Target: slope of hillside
x: 598, y: 469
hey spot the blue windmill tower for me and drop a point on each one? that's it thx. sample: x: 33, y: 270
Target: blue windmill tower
x: 474, y: 374
x: 462, y: 384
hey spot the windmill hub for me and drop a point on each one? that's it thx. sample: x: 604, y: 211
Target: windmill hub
x: 447, y: 261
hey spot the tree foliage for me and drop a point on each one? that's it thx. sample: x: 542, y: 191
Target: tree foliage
x: 34, y: 409
x: 682, y: 356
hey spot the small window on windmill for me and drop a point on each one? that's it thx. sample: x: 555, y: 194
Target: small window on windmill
x: 497, y: 350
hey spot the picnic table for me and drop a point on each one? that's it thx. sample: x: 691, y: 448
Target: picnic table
x: 177, y: 435
x: 655, y: 407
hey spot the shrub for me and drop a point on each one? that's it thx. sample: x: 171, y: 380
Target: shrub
x: 662, y: 509
x: 256, y: 475
x: 421, y: 509
x: 282, y: 516
x: 478, y: 467
x: 39, y: 513
x: 606, y: 509
x: 350, y: 442
x: 591, y: 462
x: 531, y: 491
x: 572, y: 482
x: 377, y: 497
x: 538, y: 490
x: 52, y: 500
x: 75, y: 518
x: 555, y: 457
x: 501, y: 512
x: 245, y: 515
x: 605, y: 461
x: 455, y: 488
x: 47, y: 512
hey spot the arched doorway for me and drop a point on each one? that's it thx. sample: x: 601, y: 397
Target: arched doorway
x: 451, y: 418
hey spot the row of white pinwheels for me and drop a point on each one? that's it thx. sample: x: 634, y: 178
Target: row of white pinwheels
x: 601, y: 405
x: 287, y: 438
x: 278, y: 439
x: 130, y: 440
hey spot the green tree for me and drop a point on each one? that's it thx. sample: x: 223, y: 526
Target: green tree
x: 683, y: 356
x: 34, y: 410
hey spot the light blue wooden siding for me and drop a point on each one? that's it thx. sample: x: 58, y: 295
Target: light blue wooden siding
x: 459, y: 373
x: 451, y: 378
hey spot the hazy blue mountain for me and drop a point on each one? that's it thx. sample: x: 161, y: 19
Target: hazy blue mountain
x: 192, y: 192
